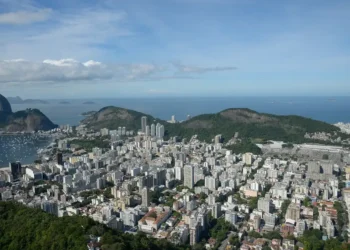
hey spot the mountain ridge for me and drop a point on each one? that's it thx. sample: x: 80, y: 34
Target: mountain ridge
x: 248, y: 123
x: 19, y: 100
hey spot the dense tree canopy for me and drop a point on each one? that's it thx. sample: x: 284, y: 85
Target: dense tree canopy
x: 26, y: 228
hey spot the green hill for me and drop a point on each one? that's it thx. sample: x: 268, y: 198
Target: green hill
x: 32, y: 229
x: 248, y: 123
x: 114, y: 117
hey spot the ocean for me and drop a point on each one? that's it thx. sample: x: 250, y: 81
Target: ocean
x: 328, y: 109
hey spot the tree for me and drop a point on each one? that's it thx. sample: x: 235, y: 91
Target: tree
x: 202, y: 196
x: 199, y: 183
x: 235, y: 242
x: 254, y: 234
x: 284, y: 208
x: 253, y: 203
x: 307, y: 202
x: 342, y: 217
x: 266, y: 189
x: 27, y: 228
x: 272, y: 235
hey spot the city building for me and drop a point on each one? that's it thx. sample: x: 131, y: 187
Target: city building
x: 16, y: 169
x: 293, y: 212
x: 59, y: 157
x: 145, y: 197
x: 155, y: 217
x: 265, y: 204
x: 216, y: 210
x: 153, y: 130
x: 148, y: 131
x: 189, y: 176
x: 143, y: 124
x: 211, y: 183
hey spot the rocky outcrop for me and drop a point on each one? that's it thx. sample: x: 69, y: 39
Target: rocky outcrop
x: 5, y: 106
x: 27, y: 121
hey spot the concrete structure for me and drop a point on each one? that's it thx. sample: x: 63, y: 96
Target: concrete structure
x: 189, y: 176
x: 143, y: 124
x: 145, y: 197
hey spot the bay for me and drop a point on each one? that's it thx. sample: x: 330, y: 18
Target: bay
x: 328, y: 109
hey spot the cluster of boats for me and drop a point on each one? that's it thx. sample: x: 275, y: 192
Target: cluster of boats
x: 21, y: 147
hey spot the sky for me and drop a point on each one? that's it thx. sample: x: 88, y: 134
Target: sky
x: 164, y: 48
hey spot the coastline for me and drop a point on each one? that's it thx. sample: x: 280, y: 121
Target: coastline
x: 22, y: 147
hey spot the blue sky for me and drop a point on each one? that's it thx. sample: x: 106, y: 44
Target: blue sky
x: 136, y: 48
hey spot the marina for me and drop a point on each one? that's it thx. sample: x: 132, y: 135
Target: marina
x: 21, y: 147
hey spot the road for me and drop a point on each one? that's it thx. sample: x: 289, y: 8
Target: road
x: 225, y: 242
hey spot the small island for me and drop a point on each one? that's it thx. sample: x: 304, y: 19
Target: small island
x: 64, y: 102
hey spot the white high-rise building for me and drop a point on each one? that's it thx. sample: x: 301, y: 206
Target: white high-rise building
x: 211, y: 183
x: 153, y: 130
x: 211, y: 199
x: 145, y: 197
x: 178, y: 173
x: 148, y: 131
x: 216, y: 210
x: 247, y: 158
x: 143, y: 124
x: 159, y: 131
x: 264, y: 204
x: 231, y: 216
x: 189, y: 176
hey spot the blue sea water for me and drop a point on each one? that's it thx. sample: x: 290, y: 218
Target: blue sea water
x: 326, y: 109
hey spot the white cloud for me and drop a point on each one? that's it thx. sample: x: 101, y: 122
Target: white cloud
x: 25, y: 17
x: 81, y: 34
x: 181, y: 68
x: 68, y: 70
x: 20, y: 71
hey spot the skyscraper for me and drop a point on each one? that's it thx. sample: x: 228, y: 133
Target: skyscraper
x: 145, y: 197
x: 211, y: 183
x: 216, y: 210
x: 15, y: 169
x: 178, y: 173
x: 153, y: 130
x: 264, y: 204
x: 143, y: 124
x: 148, y: 132
x: 189, y: 176
x: 123, y: 130
x: 59, y: 158
x: 160, y: 131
